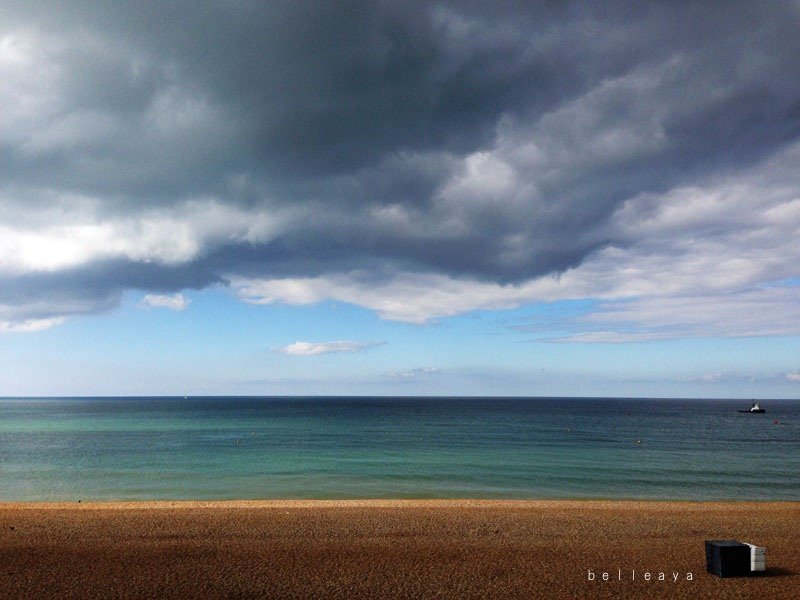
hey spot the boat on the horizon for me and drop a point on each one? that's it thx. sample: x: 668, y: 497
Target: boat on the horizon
x: 754, y: 409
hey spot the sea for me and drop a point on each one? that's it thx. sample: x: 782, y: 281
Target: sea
x: 70, y: 449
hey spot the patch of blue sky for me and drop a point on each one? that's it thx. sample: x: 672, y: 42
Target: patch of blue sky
x: 221, y: 345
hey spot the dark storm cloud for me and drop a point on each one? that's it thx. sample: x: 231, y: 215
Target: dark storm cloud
x: 363, y: 120
x: 87, y: 290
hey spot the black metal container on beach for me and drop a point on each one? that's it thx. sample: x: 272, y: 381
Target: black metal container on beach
x: 727, y: 558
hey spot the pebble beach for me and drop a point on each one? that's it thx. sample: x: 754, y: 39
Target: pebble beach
x: 390, y: 549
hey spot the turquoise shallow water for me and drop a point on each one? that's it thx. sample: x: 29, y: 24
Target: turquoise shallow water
x: 243, y: 448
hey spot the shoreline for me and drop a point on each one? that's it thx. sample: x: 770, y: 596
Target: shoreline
x: 463, y: 548
x: 579, y: 503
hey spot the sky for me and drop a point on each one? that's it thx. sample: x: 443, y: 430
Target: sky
x: 400, y: 198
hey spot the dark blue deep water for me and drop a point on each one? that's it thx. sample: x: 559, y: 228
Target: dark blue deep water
x: 247, y: 448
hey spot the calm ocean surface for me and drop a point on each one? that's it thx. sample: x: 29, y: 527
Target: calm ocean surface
x: 247, y: 448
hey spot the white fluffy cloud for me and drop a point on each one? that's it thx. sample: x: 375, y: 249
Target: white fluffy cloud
x: 29, y: 325
x: 72, y: 232
x: 412, y: 374
x: 317, y: 348
x: 173, y: 302
x: 408, y: 298
x: 758, y: 312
